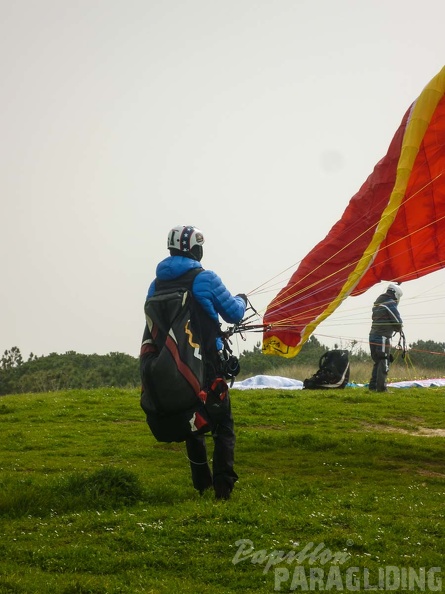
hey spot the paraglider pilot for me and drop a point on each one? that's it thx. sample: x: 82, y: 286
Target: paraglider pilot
x: 386, y: 321
x: 213, y: 299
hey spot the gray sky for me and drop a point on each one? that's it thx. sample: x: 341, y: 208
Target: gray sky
x: 254, y: 120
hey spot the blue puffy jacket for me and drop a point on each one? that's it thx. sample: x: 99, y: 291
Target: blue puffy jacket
x: 208, y: 289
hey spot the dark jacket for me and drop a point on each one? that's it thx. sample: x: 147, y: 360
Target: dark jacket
x: 386, y: 319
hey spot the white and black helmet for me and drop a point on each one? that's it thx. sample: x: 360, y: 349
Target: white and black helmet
x: 396, y: 290
x: 186, y: 240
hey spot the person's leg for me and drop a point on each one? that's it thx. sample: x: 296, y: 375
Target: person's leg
x: 224, y: 475
x: 383, y: 367
x: 380, y: 347
x: 373, y: 380
x: 374, y: 347
x: 199, y: 466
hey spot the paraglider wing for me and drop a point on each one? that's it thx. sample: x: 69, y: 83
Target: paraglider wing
x: 392, y: 230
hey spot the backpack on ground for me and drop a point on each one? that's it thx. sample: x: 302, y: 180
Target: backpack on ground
x: 333, y: 371
x: 177, y: 397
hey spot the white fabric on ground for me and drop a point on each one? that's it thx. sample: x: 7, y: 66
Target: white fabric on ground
x: 268, y: 381
x: 285, y: 383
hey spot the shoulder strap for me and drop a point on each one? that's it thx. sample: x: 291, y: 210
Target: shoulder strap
x: 184, y: 281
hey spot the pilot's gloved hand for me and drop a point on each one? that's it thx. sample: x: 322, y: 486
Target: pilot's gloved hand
x: 243, y: 297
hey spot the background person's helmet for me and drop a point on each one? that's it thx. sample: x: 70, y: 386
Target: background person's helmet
x: 185, y: 240
x: 396, y: 290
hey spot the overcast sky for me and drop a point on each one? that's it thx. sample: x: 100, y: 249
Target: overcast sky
x: 254, y: 120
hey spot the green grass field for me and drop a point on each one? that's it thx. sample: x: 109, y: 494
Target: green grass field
x: 348, y: 485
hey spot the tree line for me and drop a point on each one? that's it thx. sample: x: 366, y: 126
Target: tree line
x: 66, y: 371
x: 73, y: 370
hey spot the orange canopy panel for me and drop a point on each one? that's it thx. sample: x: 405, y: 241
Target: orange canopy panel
x: 393, y: 229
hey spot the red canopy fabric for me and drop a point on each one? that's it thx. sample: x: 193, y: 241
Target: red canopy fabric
x: 392, y: 230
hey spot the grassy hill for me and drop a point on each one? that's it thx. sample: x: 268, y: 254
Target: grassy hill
x: 346, y: 484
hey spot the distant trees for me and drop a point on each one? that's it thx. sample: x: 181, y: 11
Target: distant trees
x: 64, y: 372
x: 12, y: 358
x: 424, y: 353
x: 74, y: 370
